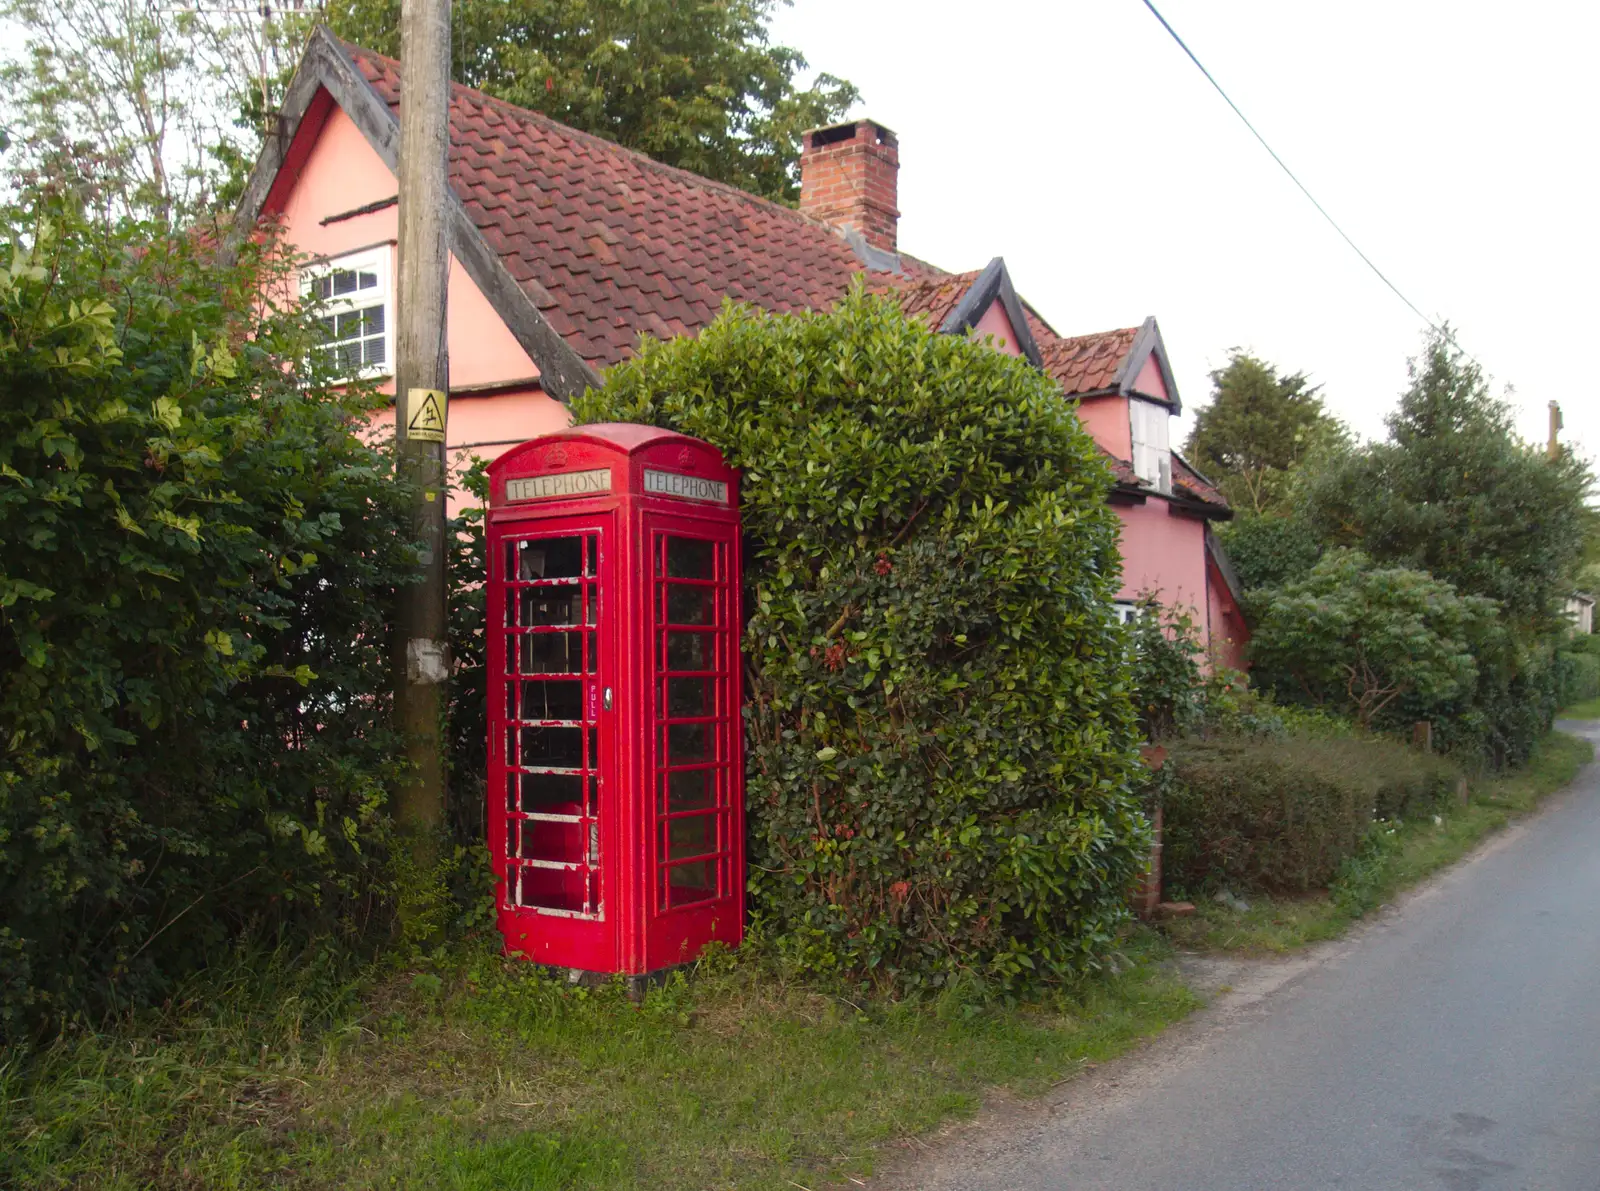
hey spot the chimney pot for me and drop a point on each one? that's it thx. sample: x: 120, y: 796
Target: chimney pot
x: 849, y: 177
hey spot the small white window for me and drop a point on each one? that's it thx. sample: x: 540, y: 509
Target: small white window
x: 352, y: 295
x: 1127, y: 611
x: 1152, y: 454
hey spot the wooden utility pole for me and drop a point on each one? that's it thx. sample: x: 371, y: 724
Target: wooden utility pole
x: 422, y: 383
x: 1554, y: 449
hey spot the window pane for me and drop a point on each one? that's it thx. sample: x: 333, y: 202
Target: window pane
x: 543, y: 840
x: 369, y: 281
x: 550, y: 793
x: 552, y: 605
x: 689, y: 883
x: 688, y: 697
x: 694, y: 836
x: 552, y: 888
x: 691, y: 790
x: 376, y: 351
x: 691, y: 558
x: 550, y: 558
x: 372, y: 320
x: 552, y: 653
x: 690, y: 651
x: 344, y: 281
x: 688, y: 743
x: 552, y: 748
x: 691, y: 605
x: 552, y: 701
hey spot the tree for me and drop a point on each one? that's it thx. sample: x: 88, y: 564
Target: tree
x: 1453, y: 491
x: 1257, y: 427
x: 693, y: 83
x: 939, y: 730
x: 1354, y: 638
x: 149, y: 110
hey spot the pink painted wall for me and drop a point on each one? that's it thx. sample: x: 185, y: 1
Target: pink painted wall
x: 342, y: 172
x: 1149, y: 380
x: 1106, y: 420
x: 1229, y: 635
x: 995, y: 322
x: 1164, y: 554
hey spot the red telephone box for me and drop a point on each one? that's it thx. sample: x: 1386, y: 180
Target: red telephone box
x: 616, y: 760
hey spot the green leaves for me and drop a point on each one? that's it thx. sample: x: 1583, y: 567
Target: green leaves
x: 939, y: 734
x: 196, y: 560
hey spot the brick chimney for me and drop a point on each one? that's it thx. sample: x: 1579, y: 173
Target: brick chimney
x: 849, y: 176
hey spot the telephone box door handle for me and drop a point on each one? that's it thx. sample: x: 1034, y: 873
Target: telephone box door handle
x: 606, y: 699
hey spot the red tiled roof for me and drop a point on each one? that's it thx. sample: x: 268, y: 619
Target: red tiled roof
x: 610, y: 245
x: 931, y: 297
x: 1188, y: 482
x: 1087, y: 363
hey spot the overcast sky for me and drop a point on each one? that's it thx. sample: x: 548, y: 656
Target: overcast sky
x: 1455, y: 142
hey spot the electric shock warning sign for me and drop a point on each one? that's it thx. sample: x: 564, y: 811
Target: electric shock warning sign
x: 425, y: 415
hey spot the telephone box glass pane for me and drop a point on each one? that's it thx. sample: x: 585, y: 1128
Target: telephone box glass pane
x: 562, y: 700
x: 550, y: 793
x: 549, y: 558
x: 690, y: 651
x: 552, y: 653
x: 688, y: 743
x: 691, y: 605
x: 560, y: 603
x: 693, y: 836
x: 691, y: 697
x: 554, y: 889
x: 691, y: 558
x: 691, y: 790
x: 553, y: 841
x: 552, y: 748
x: 689, y: 883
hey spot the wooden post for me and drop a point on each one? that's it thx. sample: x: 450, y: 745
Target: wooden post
x: 422, y: 384
x: 1554, y: 449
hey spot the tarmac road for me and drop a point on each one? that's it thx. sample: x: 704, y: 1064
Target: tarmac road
x: 1452, y: 1045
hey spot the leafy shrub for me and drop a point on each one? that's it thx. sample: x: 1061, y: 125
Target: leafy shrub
x: 1578, y: 676
x: 197, y: 554
x: 940, y: 736
x: 1353, y: 638
x: 1268, y: 551
x: 1282, y: 814
x: 1166, y: 669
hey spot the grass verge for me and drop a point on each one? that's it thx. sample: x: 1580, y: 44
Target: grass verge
x: 487, y: 1074
x: 1396, y: 856
x: 1583, y: 711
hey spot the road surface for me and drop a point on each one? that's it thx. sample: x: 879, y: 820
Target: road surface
x: 1453, y: 1044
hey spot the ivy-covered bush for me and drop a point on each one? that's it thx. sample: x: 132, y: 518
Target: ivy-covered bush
x: 940, y: 736
x: 197, y: 552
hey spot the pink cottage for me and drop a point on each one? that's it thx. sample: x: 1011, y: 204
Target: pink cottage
x: 566, y: 247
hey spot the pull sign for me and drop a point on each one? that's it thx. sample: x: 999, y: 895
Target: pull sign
x: 671, y: 483
x: 425, y: 414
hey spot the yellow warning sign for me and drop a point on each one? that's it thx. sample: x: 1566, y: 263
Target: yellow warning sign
x: 425, y: 414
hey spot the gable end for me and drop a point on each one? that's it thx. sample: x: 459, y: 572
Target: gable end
x: 993, y: 283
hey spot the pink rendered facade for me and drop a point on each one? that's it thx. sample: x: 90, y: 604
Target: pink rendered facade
x: 334, y: 195
x: 342, y: 174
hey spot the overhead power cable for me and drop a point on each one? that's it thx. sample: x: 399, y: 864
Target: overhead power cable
x: 1323, y: 211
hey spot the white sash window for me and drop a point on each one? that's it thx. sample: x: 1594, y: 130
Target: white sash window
x: 353, y: 305
x: 1152, y: 452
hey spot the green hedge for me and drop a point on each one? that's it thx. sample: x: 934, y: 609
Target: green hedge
x: 1281, y: 814
x: 940, y: 735
x: 1578, y: 676
x: 197, y: 553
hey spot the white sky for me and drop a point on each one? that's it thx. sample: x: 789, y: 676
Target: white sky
x: 1455, y: 142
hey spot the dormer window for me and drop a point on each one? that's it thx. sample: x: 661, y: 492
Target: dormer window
x: 352, y: 294
x: 1152, y: 452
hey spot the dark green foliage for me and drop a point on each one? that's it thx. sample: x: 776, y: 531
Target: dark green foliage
x: 1454, y: 492
x: 1166, y: 669
x: 940, y: 736
x: 1269, y: 551
x: 693, y: 83
x: 1354, y: 638
x: 1281, y: 814
x: 197, y: 555
x: 1256, y: 429
x: 1577, y: 676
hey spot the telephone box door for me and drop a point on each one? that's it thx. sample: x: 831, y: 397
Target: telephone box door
x: 551, y: 675
x: 695, y: 826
